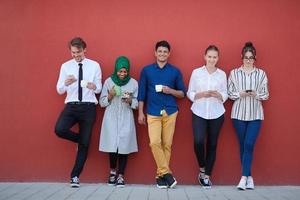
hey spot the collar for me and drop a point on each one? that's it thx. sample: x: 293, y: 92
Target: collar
x: 241, y: 69
x: 83, y: 61
x: 157, y: 66
x: 204, y: 69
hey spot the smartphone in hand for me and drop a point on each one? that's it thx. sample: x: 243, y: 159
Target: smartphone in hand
x: 248, y: 91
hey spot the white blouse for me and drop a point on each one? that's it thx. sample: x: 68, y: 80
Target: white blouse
x: 201, y: 80
x: 247, y: 108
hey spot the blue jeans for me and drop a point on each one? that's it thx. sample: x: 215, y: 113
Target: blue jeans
x: 247, y: 132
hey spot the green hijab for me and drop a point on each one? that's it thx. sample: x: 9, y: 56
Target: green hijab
x: 121, y: 62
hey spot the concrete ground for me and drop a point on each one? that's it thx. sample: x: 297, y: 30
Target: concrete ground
x: 58, y: 191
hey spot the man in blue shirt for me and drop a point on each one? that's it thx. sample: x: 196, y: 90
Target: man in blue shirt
x: 159, y: 86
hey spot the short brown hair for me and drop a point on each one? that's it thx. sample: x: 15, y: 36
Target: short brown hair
x: 162, y: 43
x: 77, y: 42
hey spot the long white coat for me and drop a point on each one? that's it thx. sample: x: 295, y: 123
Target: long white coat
x: 118, y: 131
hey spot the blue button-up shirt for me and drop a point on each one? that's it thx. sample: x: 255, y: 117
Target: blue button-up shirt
x: 152, y: 75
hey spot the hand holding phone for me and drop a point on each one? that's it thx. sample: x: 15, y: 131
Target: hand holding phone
x: 70, y: 79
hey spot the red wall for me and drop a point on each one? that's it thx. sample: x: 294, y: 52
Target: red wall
x: 34, y: 36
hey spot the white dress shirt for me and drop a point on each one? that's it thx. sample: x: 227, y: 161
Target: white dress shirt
x: 201, y: 80
x: 91, y: 73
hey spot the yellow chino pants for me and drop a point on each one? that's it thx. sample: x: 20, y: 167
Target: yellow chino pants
x: 161, y: 130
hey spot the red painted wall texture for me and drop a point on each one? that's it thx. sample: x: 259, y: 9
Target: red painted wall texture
x: 34, y: 36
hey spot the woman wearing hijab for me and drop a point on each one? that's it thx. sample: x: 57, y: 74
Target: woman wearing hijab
x: 118, y: 134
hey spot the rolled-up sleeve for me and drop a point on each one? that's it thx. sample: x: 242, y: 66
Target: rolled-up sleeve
x: 60, y: 86
x: 142, y: 86
x: 191, y: 90
x: 223, y: 90
x: 103, y: 101
x: 233, y: 92
x: 98, y: 80
x: 180, y: 84
x: 263, y: 92
x: 134, y: 101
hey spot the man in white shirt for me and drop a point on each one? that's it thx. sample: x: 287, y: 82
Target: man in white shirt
x: 80, y: 78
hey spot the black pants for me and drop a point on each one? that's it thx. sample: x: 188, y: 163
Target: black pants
x: 209, y: 130
x: 85, y: 116
x: 122, y: 158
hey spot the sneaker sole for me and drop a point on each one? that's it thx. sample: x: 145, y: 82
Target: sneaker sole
x: 162, y: 187
x: 120, y: 186
x: 200, y: 182
x: 174, y: 184
x: 240, y: 188
x: 111, y: 184
x: 206, y: 187
x: 74, y: 185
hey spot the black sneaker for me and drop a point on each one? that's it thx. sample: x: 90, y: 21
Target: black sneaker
x: 201, y: 176
x: 161, y: 183
x: 206, y: 183
x: 120, y: 182
x: 170, y: 180
x: 112, y: 179
x: 74, y: 182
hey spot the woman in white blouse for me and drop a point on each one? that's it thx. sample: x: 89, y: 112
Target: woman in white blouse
x: 208, y: 91
x: 247, y: 86
x: 118, y: 133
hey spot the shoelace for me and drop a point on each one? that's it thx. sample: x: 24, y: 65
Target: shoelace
x: 206, y: 181
x: 202, y: 174
x: 75, y: 179
x: 112, y: 177
x: 120, y: 179
x: 249, y: 181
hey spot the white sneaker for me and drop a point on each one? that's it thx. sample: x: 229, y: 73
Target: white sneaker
x: 242, y: 184
x: 250, y: 183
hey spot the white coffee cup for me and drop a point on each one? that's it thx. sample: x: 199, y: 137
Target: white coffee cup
x: 158, y: 88
x: 83, y: 83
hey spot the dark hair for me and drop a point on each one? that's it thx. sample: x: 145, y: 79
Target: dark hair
x: 77, y: 42
x: 162, y: 43
x: 248, y: 48
x: 211, y: 48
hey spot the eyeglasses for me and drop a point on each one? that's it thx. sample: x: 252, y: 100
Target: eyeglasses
x: 251, y: 58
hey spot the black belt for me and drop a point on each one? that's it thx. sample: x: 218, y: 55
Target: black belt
x: 81, y: 103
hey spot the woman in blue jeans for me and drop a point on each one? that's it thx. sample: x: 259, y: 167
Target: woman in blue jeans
x: 248, y: 87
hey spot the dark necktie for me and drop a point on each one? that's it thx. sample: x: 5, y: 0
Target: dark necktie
x: 79, y: 81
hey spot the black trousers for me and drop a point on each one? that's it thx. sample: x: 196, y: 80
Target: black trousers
x: 85, y: 116
x: 122, y: 158
x: 208, y: 130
